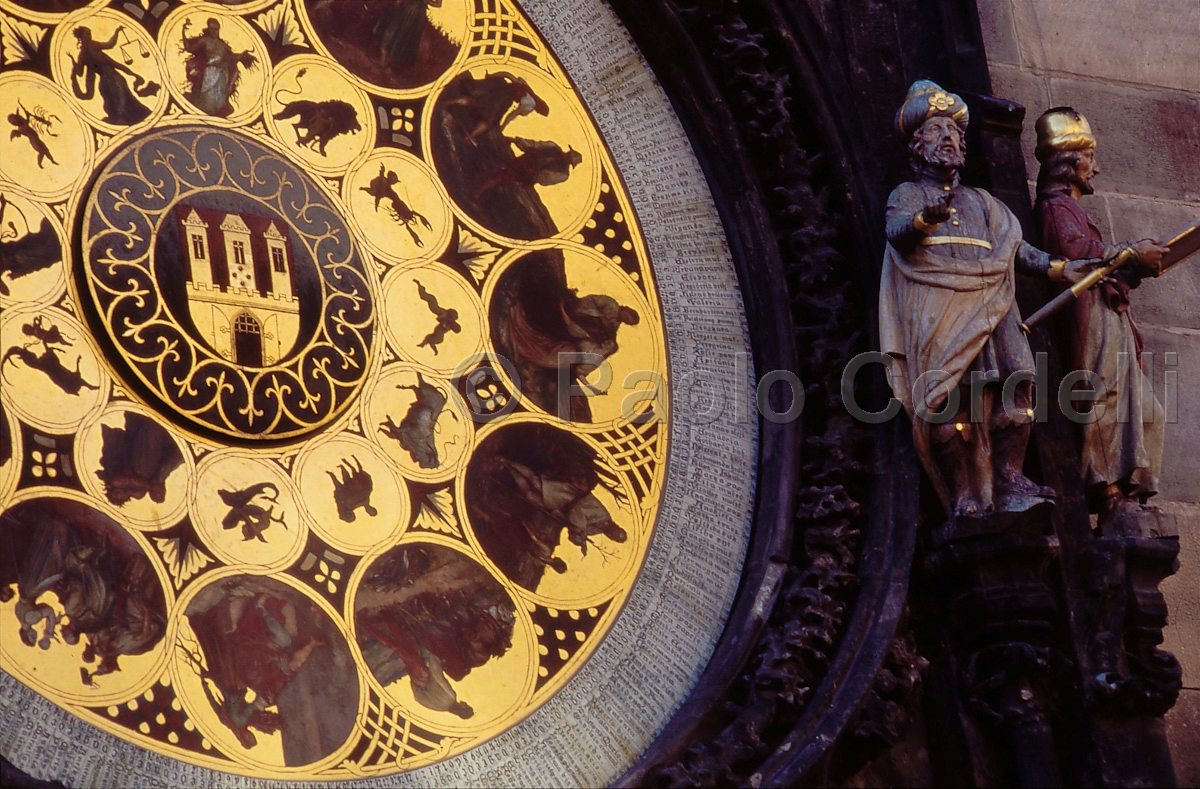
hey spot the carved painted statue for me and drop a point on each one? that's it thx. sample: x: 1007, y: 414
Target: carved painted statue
x: 1122, y: 448
x: 948, y: 314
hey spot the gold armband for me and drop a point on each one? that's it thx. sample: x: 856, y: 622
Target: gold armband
x: 1058, y: 270
x: 925, y: 227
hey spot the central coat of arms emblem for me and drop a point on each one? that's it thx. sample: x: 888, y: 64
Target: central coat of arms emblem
x: 229, y: 283
x: 241, y: 291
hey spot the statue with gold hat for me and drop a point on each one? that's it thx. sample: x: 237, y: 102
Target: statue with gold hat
x: 948, y: 318
x: 1123, y: 441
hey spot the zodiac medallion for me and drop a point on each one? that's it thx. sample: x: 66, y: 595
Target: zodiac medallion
x: 260, y: 652
x: 397, y: 47
x: 246, y: 511
x: 548, y: 515
x: 445, y: 318
x: 420, y: 421
x: 112, y: 67
x: 44, y: 146
x: 48, y: 368
x: 216, y: 64
x: 401, y: 206
x: 31, y: 252
x: 426, y: 614
x: 324, y: 119
x: 352, y: 494
x: 134, y: 464
x: 513, y: 151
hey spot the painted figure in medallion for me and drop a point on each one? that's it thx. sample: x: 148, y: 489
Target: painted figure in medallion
x: 539, y: 322
x: 1122, y: 449
x: 526, y: 486
x: 21, y: 255
x: 213, y: 69
x: 948, y: 316
x: 103, y: 581
x: 95, y: 65
x: 476, y: 161
x: 432, y: 614
x: 392, y: 43
x: 270, y: 660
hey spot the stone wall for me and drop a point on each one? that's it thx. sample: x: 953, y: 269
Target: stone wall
x: 1132, y: 67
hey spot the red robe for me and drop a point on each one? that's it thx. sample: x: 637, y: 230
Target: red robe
x: 1124, y: 444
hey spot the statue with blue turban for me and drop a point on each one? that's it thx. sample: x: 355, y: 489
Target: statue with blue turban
x: 948, y: 317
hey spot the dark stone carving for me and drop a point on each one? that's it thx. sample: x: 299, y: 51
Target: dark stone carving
x: 757, y: 691
x: 989, y: 589
x: 787, y: 103
x: 886, y: 713
x: 1134, y: 676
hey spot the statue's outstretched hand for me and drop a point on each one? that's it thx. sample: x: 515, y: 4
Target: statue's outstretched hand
x: 1076, y: 270
x: 937, y: 211
x: 1149, y: 254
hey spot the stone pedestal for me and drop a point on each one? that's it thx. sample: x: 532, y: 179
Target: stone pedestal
x: 1131, y: 683
x: 990, y: 598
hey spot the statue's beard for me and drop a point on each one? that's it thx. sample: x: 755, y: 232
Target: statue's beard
x: 1084, y: 186
x: 933, y: 155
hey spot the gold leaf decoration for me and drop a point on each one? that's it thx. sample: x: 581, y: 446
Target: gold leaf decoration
x: 481, y: 255
x: 184, y: 567
x: 280, y: 24
x: 436, y: 513
x: 19, y: 40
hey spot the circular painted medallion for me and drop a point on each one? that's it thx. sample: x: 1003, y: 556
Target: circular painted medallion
x: 229, y: 283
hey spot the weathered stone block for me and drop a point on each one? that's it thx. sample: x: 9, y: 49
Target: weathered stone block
x: 1183, y: 733
x: 1137, y: 217
x: 1027, y: 88
x: 1120, y: 40
x: 1179, y: 480
x: 1149, y: 141
x: 1182, y: 591
x: 1172, y: 299
x: 999, y: 33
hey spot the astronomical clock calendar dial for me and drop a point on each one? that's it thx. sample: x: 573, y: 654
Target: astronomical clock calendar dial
x: 318, y: 455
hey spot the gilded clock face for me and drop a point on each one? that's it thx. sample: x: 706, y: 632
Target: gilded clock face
x: 333, y: 425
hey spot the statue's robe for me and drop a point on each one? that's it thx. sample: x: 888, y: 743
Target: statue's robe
x: 947, y: 304
x: 1125, y: 444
